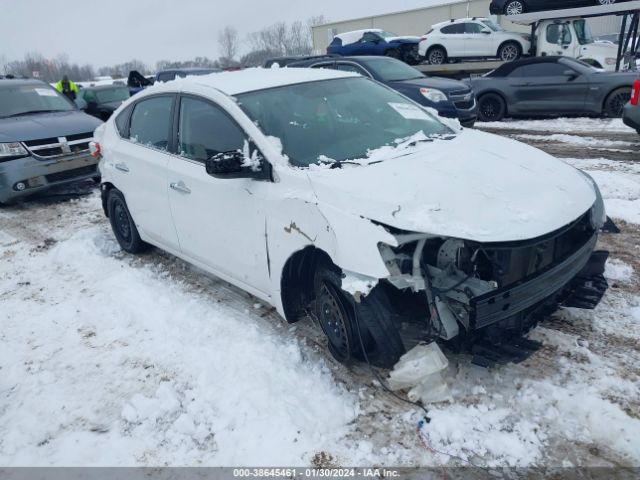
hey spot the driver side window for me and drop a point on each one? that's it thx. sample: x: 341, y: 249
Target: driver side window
x: 205, y: 130
x: 370, y: 37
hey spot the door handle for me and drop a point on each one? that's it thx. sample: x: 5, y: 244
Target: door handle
x: 180, y: 187
x: 122, y: 167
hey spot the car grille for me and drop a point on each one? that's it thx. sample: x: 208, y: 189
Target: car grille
x: 60, y: 146
x: 463, y: 99
x: 70, y: 174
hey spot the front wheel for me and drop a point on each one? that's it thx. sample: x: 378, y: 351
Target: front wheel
x: 510, y: 51
x: 615, y: 102
x: 349, y: 325
x: 123, y: 225
x: 491, y: 108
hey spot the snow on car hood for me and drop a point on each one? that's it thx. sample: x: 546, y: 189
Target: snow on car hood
x: 477, y: 186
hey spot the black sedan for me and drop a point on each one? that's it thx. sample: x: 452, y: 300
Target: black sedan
x: 551, y: 86
x: 103, y: 100
x: 451, y: 98
x: 515, y: 7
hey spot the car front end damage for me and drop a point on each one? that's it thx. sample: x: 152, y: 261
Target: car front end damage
x: 481, y: 298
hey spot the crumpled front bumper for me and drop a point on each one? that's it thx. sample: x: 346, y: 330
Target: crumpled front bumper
x: 579, y: 278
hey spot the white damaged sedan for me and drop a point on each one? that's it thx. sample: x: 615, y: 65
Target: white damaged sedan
x: 329, y: 195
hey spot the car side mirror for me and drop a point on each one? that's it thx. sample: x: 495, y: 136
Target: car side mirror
x: 234, y: 164
x: 81, y: 103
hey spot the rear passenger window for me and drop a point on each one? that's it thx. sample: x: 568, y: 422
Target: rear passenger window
x: 205, y: 130
x: 122, y: 121
x: 350, y: 67
x: 452, y: 29
x: 151, y: 122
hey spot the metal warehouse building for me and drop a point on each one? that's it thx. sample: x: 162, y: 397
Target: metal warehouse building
x: 418, y: 21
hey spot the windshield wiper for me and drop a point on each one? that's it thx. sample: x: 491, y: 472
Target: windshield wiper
x: 30, y: 112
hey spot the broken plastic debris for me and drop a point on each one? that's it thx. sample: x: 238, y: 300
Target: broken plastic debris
x: 421, y: 370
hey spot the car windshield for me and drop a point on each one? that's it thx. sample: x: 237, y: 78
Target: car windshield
x: 492, y: 25
x: 384, y: 34
x: 112, y: 95
x: 20, y: 99
x: 583, y: 32
x: 339, y: 120
x: 390, y: 70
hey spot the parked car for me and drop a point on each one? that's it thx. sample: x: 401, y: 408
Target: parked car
x: 551, y: 86
x: 44, y: 139
x: 631, y: 115
x: 102, y: 101
x: 327, y: 193
x: 471, y: 38
x: 516, y: 7
x: 451, y: 98
x: 375, y: 42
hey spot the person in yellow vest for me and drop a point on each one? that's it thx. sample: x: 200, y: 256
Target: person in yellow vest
x: 67, y: 88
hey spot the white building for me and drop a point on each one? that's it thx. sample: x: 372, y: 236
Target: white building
x: 418, y: 21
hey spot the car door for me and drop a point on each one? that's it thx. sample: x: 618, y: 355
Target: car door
x: 550, y: 88
x: 139, y: 163
x: 453, y: 39
x: 476, y: 43
x: 220, y: 222
x: 367, y: 45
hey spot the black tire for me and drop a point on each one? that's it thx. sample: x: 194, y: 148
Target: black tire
x: 509, y: 51
x: 436, y: 56
x: 515, y: 7
x: 97, y: 180
x: 349, y: 325
x: 123, y: 226
x: 615, y: 102
x: 491, y: 108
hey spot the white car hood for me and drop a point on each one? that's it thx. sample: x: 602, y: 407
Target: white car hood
x: 477, y: 186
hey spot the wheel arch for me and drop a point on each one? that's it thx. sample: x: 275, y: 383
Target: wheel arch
x: 610, y: 92
x: 510, y: 40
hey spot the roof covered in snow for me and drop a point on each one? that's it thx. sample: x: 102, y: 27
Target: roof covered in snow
x: 251, y: 79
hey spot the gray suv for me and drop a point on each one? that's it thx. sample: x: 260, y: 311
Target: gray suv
x: 44, y: 139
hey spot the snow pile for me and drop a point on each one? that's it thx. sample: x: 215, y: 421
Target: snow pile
x: 577, y: 140
x: 563, y: 125
x: 114, y: 365
x: 618, y: 270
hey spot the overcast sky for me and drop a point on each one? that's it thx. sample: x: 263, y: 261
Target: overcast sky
x: 107, y: 32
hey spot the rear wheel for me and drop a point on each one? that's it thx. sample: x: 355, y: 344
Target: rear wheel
x: 349, y: 325
x: 514, y: 7
x: 615, y: 102
x: 509, y: 51
x: 491, y: 108
x: 123, y: 225
x: 437, y: 56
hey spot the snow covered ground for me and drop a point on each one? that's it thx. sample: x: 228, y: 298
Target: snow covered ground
x: 109, y: 359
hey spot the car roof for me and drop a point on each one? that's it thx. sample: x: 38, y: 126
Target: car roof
x: 509, y: 67
x: 22, y: 81
x: 458, y: 20
x: 252, y: 79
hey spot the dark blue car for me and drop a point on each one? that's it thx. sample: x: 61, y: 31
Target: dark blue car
x: 376, y: 42
x: 451, y: 98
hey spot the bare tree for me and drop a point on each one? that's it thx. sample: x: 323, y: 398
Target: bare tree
x: 228, y: 42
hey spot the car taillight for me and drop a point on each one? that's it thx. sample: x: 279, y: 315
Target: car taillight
x: 94, y: 148
x: 635, y: 96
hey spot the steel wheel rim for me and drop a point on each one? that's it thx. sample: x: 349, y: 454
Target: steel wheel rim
x: 122, y: 221
x: 515, y: 8
x: 333, y: 320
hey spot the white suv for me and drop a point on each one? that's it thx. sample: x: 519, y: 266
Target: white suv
x: 471, y: 38
x: 327, y: 194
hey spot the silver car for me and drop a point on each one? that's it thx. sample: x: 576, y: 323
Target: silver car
x: 44, y: 139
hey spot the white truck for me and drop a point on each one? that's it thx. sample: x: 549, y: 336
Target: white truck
x: 557, y: 33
